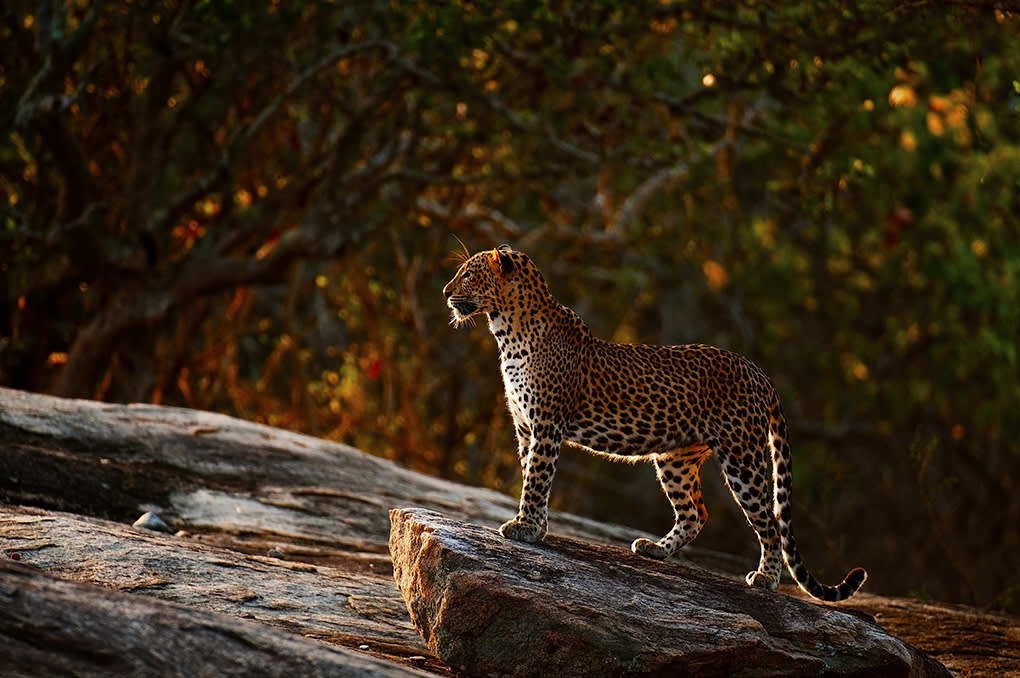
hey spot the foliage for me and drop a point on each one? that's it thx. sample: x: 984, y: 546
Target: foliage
x: 250, y: 207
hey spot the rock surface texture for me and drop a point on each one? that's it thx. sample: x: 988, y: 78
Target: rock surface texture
x: 277, y: 562
x: 52, y: 627
x: 490, y: 607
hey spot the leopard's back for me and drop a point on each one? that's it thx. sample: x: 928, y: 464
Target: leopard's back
x: 640, y: 400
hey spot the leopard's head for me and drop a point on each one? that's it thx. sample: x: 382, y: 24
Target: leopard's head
x: 478, y: 284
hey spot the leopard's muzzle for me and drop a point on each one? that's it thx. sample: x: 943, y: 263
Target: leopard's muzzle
x: 463, y: 307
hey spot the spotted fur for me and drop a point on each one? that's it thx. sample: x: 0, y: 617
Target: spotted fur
x: 672, y: 405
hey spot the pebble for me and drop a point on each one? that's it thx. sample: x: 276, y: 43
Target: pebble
x: 15, y: 556
x: 276, y: 553
x: 150, y: 521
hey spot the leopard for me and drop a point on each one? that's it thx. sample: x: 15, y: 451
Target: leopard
x: 670, y: 405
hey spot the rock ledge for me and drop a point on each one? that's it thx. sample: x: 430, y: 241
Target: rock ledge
x: 490, y: 607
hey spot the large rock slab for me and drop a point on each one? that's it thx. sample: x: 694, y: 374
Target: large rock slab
x: 290, y: 532
x: 226, y: 480
x: 490, y: 607
x: 327, y: 602
x: 51, y: 627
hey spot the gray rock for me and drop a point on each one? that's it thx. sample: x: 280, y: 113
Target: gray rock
x: 491, y: 607
x: 240, y: 489
x: 88, y: 631
x: 150, y: 521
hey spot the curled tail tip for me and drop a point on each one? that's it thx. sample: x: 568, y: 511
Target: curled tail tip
x: 848, y: 588
x: 855, y: 579
x: 833, y: 594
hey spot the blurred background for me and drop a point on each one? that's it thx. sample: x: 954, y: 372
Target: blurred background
x: 250, y: 207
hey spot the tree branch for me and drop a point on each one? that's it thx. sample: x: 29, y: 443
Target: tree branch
x: 183, y: 202
x: 634, y: 205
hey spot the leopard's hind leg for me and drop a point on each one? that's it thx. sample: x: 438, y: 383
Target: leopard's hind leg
x: 747, y: 471
x: 679, y: 474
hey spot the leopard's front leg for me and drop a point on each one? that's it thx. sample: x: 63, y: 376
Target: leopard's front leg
x: 523, y: 443
x: 532, y: 520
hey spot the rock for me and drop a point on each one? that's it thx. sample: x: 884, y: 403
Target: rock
x: 150, y: 521
x: 75, y: 473
x: 223, y: 478
x: 320, y: 601
x: 51, y: 627
x: 491, y: 607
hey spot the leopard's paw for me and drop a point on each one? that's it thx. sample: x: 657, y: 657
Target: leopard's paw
x: 647, y: 547
x: 524, y: 530
x: 761, y: 580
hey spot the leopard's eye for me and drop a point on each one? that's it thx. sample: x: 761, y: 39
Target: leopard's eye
x: 467, y: 274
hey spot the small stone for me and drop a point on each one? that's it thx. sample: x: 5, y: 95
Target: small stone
x: 364, y: 646
x: 183, y: 534
x: 150, y: 521
x: 15, y: 556
x: 276, y: 553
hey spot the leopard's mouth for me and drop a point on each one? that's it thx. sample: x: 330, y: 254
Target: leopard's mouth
x: 463, y: 308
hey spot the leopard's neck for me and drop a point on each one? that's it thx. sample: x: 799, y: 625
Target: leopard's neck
x: 528, y: 330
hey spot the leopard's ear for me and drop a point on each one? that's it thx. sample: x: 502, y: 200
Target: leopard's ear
x: 502, y: 257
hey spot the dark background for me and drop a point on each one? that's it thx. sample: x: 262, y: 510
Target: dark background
x: 250, y: 207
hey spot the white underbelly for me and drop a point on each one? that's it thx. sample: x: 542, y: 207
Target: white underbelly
x: 627, y: 458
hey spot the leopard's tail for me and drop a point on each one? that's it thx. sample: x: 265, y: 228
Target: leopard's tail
x: 782, y: 473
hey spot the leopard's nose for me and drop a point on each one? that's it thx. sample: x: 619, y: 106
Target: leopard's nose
x: 446, y: 292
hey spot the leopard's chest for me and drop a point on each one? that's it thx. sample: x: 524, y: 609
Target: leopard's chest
x: 518, y: 377
x: 519, y: 396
